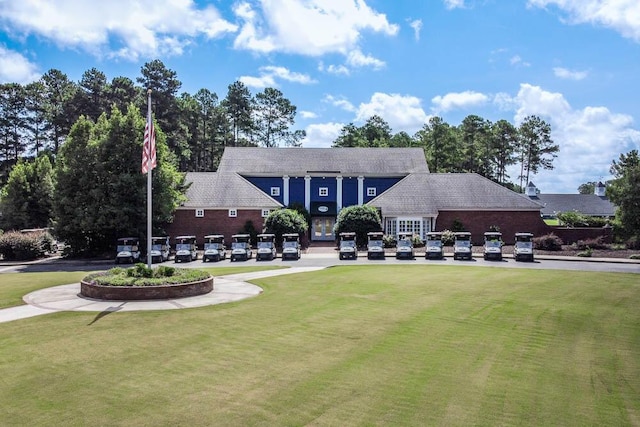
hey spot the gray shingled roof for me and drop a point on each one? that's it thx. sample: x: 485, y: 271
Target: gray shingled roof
x: 588, y: 204
x: 302, y: 161
x: 425, y: 194
x: 225, y: 190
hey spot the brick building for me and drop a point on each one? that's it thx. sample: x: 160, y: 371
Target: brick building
x: 250, y: 182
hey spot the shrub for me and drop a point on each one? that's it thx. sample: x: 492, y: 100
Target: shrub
x: 457, y: 225
x: 417, y: 241
x: 359, y: 220
x: 283, y: 221
x: 448, y: 237
x: 548, y: 242
x: 389, y: 241
x: 586, y: 253
x: 572, y: 219
x: 597, y: 243
x: 16, y: 246
x: 596, y: 221
x: 633, y: 243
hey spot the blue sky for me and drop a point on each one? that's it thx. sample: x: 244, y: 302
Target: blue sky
x: 575, y: 63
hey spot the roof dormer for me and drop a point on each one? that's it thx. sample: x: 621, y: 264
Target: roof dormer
x: 531, y: 190
x: 600, y: 189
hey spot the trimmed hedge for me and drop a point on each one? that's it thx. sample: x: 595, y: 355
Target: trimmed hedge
x: 17, y: 246
x: 141, y: 275
x: 548, y: 242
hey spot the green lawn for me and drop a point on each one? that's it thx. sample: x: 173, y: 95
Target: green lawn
x: 370, y: 345
x: 552, y: 221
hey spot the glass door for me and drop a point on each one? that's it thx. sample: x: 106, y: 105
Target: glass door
x: 323, y: 228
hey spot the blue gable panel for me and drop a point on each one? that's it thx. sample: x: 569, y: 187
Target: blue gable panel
x: 296, y: 190
x: 349, y: 191
x: 265, y: 184
x: 319, y: 182
x: 380, y: 184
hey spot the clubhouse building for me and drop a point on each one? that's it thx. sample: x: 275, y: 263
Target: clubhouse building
x: 250, y: 182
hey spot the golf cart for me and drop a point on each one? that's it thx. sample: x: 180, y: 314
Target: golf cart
x: 128, y: 249
x: 523, y: 249
x: 404, y: 248
x: 214, y: 249
x: 348, y: 247
x: 493, y: 245
x: 266, y: 247
x: 462, y: 247
x: 290, y: 246
x: 186, y: 249
x: 434, y: 248
x: 160, y: 249
x: 375, y: 246
x: 241, y: 247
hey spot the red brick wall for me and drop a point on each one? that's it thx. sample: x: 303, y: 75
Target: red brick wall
x: 478, y: 222
x: 213, y: 222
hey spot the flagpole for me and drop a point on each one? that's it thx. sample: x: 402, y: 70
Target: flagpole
x: 149, y: 201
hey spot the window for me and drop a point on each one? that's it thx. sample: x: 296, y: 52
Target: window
x: 275, y: 191
x: 391, y: 226
x: 323, y: 191
x: 371, y: 191
x: 265, y: 213
x: 233, y: 213
x: 199, y: 213
x: 407, y: 225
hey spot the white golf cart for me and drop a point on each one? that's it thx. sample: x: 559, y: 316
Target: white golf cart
x: 241, y: 247
x: 493, y: 245
x: 128, y: 250
x: 462, y: 247
x: 404, y: 248
x: 266, y: 247
x: 186, y: 249
x: 348, y: 247
x: 434, y: 248
x: 523, y: 249
x: 375, y: 245
x: 214, y: 249
x: 160, y: 248
x: 291, y: 246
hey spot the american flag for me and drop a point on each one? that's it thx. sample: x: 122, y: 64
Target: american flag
x: 149, y: 147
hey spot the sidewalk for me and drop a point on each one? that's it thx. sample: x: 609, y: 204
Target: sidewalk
x: 67, y: 297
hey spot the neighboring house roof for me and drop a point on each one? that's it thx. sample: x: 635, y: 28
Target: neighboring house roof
x: 427, y: 193
x: 225, y: 191
x: 305, y: 161
x: 588, y: 204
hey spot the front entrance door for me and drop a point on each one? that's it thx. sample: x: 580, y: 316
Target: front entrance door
x: 323, y: 228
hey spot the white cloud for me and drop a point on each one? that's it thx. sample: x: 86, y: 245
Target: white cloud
x: 622, y: 16
x: 15, y: 68
x: 589, y: 138
x: 116, y: 27
x: 336, y: 69
x: 269, y: 74
x: 308, y: 115
x: 517, y: 60
x: 453, y: 4
x: 358, y: 59
x: 417, y: 27
x: 402, y: 112
x: 340, y: 102
x: 564, y: 73
x: 458, y: 100
x: 293, y: 26
x: 321, y: 135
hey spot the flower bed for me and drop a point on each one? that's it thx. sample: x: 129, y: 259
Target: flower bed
x: 142, y: 283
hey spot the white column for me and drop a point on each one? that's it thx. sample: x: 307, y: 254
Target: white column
x: 338, y: 193
x: 285, y: 190
x: 307, y: 192
x: 360, y: 190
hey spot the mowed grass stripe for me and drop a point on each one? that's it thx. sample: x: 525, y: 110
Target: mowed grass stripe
x: 374, y: 345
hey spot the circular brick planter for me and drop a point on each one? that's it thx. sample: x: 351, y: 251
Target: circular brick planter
x: 136, y: 293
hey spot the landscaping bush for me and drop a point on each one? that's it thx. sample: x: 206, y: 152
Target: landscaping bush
x: 572, y: 219
x: 16, y: 246
x: 417, y: 241
x: 597, y: 243
x: 633, y: 243
x: 448, y: 237
x: 359, y: 220
x: 548, y: 242
x: 283, y: 221
x: 389, y: 241
x: 586, y: 253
